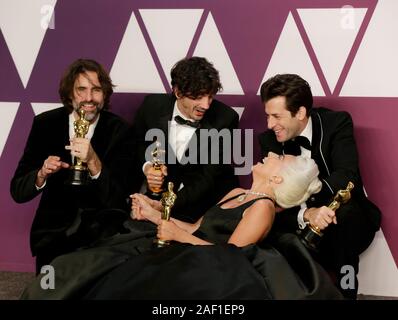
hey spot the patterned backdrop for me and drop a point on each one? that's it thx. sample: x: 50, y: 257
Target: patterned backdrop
x: 346, y: 50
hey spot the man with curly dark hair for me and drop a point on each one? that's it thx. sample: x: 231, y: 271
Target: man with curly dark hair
x: 189, y: 123
x: 43, y: 168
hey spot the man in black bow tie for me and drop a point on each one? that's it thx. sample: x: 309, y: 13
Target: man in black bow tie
x: 327, y: 137
x: 180, y: 117
x: 180, y: 120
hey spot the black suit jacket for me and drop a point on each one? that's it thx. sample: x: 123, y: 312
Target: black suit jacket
x: 60, y: 204
x: 204, y: 184
x: 334, y: 151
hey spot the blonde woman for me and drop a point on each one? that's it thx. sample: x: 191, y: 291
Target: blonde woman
x: 242, y: 217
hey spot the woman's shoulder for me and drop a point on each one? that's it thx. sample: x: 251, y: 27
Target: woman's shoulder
x: 264, y: 202
x: 261, y: 205
x: 232, y: 193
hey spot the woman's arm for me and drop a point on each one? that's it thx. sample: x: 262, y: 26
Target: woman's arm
x: 170, y: 231
x: 255, y: 224
x: 253, y: 227
x: 144, y: 208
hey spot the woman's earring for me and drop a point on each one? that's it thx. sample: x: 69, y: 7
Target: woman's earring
x: 277, y: 179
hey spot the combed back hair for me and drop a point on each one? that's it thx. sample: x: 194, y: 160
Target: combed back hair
x: 300, y: 181
x: 195, y: 77
x: 82, y: 66
x: 295, y: 89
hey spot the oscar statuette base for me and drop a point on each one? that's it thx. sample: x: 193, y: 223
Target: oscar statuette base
x: 154, y: 195
x: 161, y: 243
x: 77, y: 177
x: 311, y: 238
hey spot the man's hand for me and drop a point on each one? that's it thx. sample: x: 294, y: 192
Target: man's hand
x: 156, y: 204
x: 320, y: 217
x: 51, y: 165
x: 81, y: 148
x: 143, y: 208
x: 155, y: 178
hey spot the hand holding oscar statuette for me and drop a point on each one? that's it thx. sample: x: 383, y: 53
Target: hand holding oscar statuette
x: 311, y: 235
x: 168, y: 200
x: 78, y: 172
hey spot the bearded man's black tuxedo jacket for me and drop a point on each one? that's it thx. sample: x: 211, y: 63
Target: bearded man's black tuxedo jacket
x: 204, y: 184
x: 60, y: 205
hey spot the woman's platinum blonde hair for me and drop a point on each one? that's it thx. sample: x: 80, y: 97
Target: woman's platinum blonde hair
x: 300, y: 181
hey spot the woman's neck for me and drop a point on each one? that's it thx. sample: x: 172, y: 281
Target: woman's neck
x: 262, y: 188
x: 258, y: 190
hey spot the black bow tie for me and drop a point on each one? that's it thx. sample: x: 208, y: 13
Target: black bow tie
x: 293, y: 146
x: 182, y: 121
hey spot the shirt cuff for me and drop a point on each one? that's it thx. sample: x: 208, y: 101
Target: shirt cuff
x: 39, y: 188
x: 143, y: 166
x: 94, y: 177
x: 300, y: 218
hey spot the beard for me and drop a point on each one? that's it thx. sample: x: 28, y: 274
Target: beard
x: 92, y: 114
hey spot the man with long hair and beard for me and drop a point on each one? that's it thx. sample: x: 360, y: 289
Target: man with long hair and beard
x: 49, y: 152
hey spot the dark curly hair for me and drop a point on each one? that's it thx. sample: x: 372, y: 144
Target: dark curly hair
x: 295, y: 89
x: 195, y: 77
x: 82, y: 66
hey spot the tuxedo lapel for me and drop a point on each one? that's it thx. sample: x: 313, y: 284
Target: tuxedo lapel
x: 163, y: 123
x: 65, y: 129
x: 101, y: 140
x: 60, y: 130
x: 317, y: 143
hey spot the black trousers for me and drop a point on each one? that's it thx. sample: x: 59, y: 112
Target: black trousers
x: 342, y: 244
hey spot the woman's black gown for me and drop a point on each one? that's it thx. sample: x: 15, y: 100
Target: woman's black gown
x: 129, y: 266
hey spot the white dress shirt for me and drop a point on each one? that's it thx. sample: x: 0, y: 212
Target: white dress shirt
x: 179, y: 134
x: 179, y: 137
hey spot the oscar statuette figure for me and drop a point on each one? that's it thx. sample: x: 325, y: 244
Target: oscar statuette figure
x: 311, y: 236
x: 78, y: 171
x: 168, y: 200
x: 157, y: 162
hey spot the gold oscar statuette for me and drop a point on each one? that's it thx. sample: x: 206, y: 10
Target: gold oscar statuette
x: 311, y: 235
x: 168, y: 200
x: 78, y: 171
x: 157, y: 162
